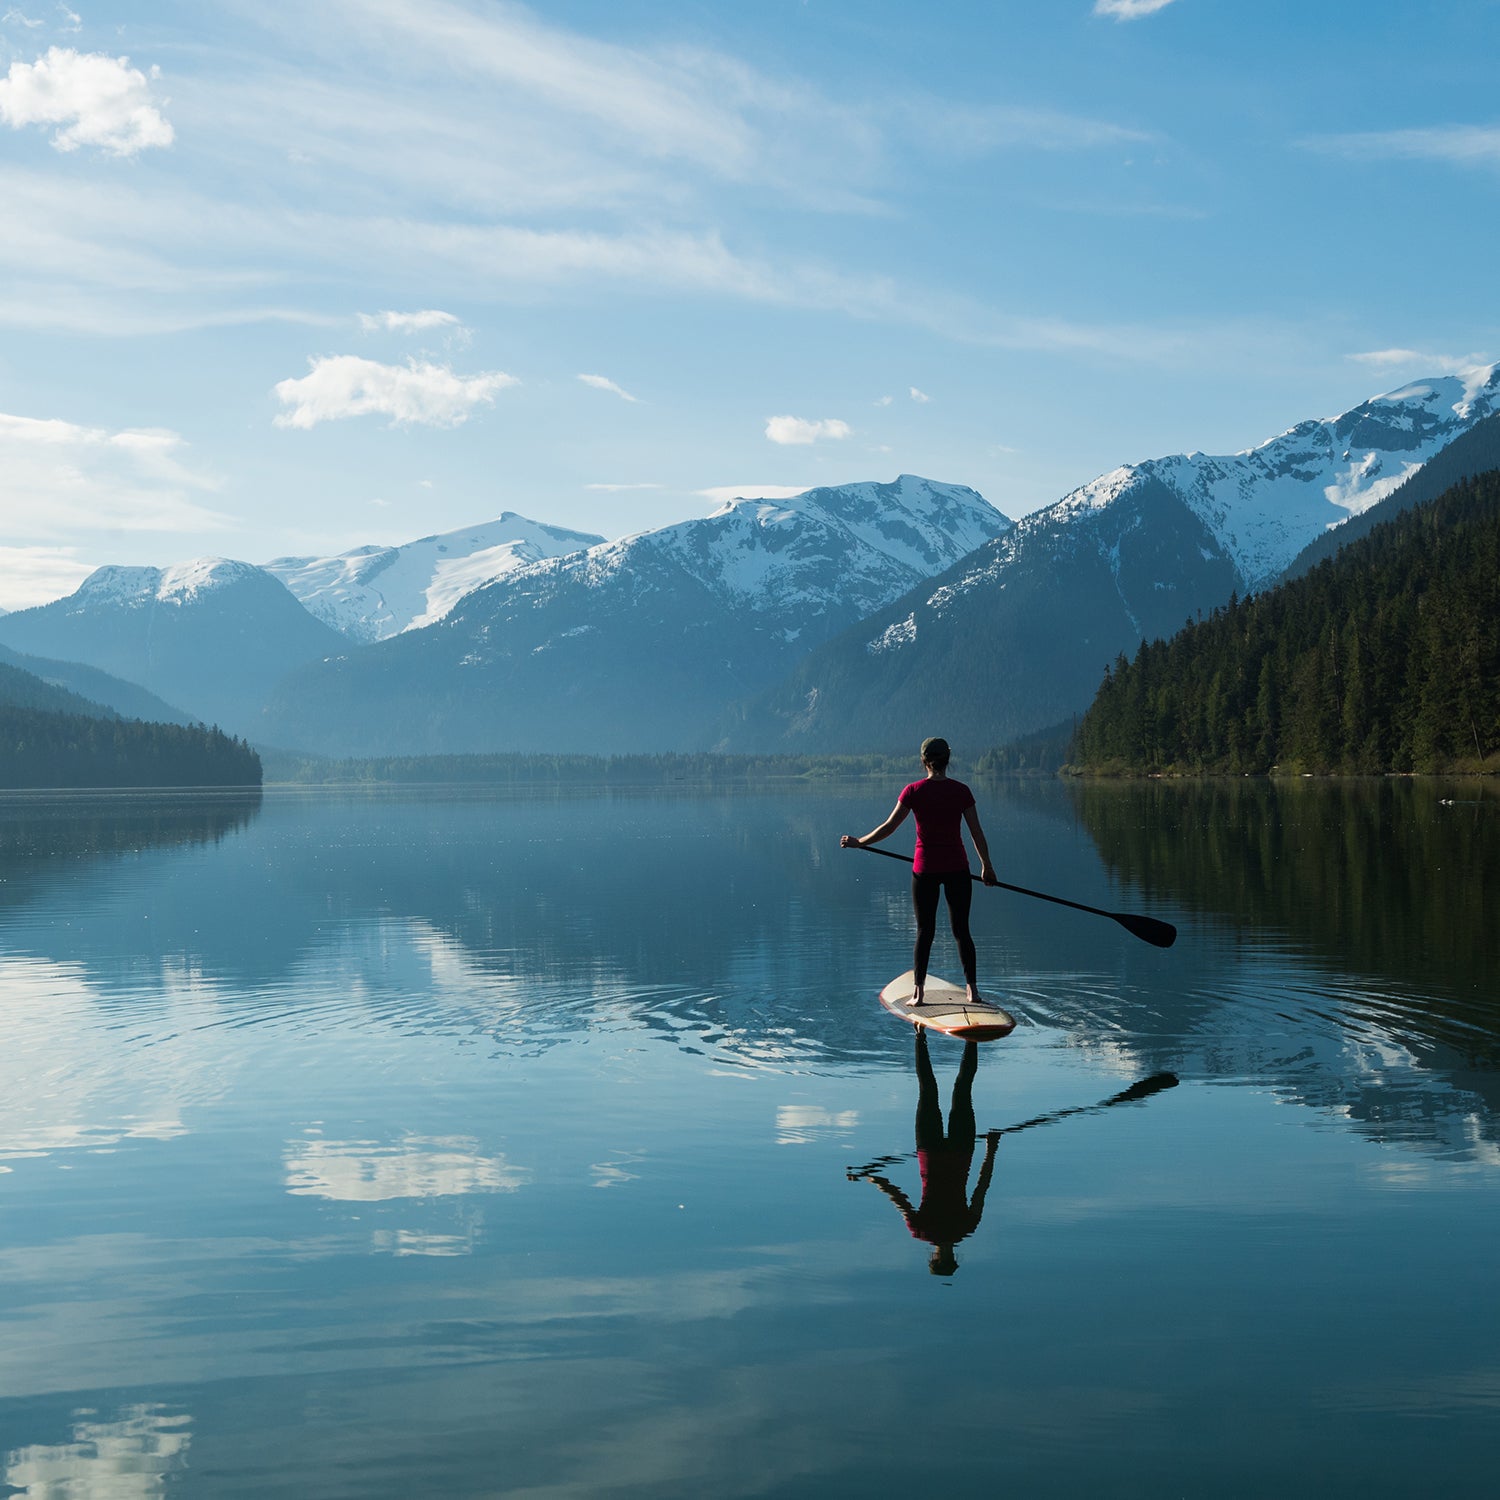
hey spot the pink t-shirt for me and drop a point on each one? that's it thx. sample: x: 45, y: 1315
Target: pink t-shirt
x: 938, y: 806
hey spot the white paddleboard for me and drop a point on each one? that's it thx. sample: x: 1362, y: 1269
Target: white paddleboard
x: 944, y: 1009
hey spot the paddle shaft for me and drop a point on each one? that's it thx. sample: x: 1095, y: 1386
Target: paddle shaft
x: 1148, y: 929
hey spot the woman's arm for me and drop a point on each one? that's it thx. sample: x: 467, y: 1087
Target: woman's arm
x: 981, y: 845
x: 874, y: 836
x: 889, y: 1188
x: 986, y: 1171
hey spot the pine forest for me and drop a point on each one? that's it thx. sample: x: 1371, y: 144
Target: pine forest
x: 1385, y: 658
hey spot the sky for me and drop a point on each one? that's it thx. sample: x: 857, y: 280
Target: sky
x: 287, y: 279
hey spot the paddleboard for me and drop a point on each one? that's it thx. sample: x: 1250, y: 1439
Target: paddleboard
x: 944, y: 1009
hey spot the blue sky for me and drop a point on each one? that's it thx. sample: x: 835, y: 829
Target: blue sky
x: 279, y: 278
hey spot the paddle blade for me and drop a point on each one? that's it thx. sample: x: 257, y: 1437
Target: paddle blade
x: 1148, y: 929
x: 1144, y: 1089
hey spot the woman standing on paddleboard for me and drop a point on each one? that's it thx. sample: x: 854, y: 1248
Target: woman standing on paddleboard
x: 941, y: 806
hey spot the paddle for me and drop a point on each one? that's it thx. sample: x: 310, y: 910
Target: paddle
x: 1147, y: 929
x: 1135, y: 1094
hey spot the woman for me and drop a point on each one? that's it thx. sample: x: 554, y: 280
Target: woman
x: 941, y: 806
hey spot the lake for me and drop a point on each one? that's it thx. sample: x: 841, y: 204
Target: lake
x: 552, y: 1143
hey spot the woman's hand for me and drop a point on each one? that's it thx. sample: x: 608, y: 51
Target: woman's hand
x: 850, y: 842
x: 987, y: 873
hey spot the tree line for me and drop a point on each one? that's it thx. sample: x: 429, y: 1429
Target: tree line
x: 42, y: 748
x: 705, y: 767
x: 1385, y: 658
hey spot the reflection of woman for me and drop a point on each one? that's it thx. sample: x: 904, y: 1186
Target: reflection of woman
x: 946, y: 1213
x: 942, y: 806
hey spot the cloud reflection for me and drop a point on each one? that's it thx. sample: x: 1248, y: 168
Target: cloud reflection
x: 92, y: 1099
x: 417, y: 1166
x: 420, y: 1242
x: 798, y: 1124
x: 129, y: 1458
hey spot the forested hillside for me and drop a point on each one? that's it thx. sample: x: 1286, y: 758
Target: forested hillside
x: 22, y: 689
x: 41, y: 748
x: 105, y: 694
x: 1385, y: 658
x: 50, y: 737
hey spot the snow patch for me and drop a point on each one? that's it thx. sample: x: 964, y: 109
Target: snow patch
x: 1264, y: 504
x: 372, y: 593
x: 894, y: 637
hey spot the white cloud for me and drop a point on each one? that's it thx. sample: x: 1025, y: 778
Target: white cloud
x: 58, y: 478
x: 882, y: 400
x: 14, y: 17
x: 683, y: 104
x: 722, y: 494
x: 920, y: 397
x: 603, y: 383
x: 614, y: 489
x: 1430, y: 364
x: 1460, y: 145
x: 37, y: 575
x: 98, y: 100
x: 345, y: 385
x: 1129, y: 10
x: 412, y: 322
x: 799, y: 432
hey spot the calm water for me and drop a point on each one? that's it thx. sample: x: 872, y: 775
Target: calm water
x: 515, y: 1144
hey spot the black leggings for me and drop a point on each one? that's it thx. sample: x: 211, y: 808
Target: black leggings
x: 958, y: 886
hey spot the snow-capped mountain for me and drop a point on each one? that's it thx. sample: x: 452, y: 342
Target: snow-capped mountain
x: 371, y: 593
x: 1263, y: 505
x: 210, y: 635
x: 837, y: 549
x: 638, y: 644
x: 1017, y: 636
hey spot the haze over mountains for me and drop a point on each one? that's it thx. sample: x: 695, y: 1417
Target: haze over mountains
x: 847, y: 618
x: 637, y: 644
x: 212, y: 635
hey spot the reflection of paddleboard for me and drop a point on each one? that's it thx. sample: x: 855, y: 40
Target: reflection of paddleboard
x: 944, y: 1009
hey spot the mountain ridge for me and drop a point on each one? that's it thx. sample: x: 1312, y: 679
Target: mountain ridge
x: 371, y: 593
x: 1016, y: 637
x: 640, y: 643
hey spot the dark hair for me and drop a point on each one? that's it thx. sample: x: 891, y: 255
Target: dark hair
x: 935, y: 753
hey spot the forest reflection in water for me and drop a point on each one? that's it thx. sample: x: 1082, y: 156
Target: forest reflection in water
x: 350, y: 1136
x: 1384, y: 876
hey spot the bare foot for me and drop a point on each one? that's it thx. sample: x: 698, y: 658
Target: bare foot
x: 916, y: 998
x: 971, y: 996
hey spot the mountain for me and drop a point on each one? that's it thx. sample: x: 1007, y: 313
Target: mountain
x: 1017, y: 636
x: 104, y: 692
x: 638, y: 644
x: 1384, y: 658
x: 372, y: 593
x: 24, y: 690
x: 1471, y: 453
x: 212, y: 635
